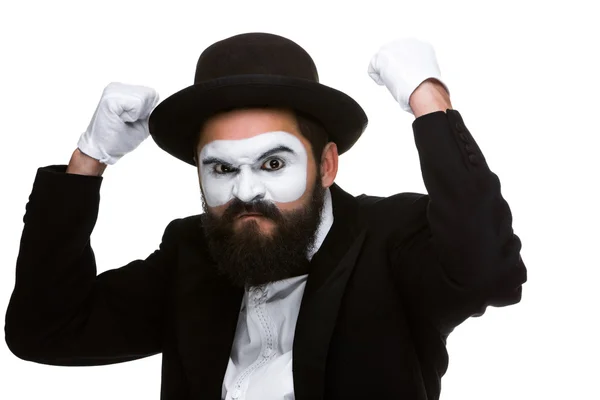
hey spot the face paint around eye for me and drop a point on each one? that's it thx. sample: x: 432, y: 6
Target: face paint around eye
x: 247, y: 179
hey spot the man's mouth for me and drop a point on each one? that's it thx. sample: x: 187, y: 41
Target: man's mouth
x: 249, y: 215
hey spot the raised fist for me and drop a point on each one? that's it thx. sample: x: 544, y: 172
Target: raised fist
x: 402, y: 65
x: 120, y: 122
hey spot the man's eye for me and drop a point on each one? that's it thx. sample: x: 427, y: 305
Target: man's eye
x: 273, y: 164
x: 223, y: 169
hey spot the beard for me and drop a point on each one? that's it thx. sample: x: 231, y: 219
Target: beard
x: 249, y: 256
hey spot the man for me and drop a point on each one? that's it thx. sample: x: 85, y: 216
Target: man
x: 287, y: 287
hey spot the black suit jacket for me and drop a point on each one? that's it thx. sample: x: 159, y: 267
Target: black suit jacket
x: 392, y: 279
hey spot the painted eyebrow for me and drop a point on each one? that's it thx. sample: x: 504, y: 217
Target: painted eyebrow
x: 275, y: 150
x: 213, y: 160
x: 278, y: 149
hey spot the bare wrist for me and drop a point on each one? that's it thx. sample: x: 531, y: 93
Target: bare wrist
x: 82, y: 164
x: 430, y: 96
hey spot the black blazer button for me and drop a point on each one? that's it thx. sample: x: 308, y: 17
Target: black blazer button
x: 473, y: 158
x: 463, y: 137
x: 459, y: 127
x: 467, y: 147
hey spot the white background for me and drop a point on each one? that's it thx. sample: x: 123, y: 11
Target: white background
x: 522, y: 74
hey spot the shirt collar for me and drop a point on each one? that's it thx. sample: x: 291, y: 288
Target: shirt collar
x: 324, y: 226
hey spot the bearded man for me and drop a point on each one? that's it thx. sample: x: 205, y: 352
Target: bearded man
x: 286, y: 287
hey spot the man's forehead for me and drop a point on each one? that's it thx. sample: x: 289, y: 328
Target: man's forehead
x: 251, y: 146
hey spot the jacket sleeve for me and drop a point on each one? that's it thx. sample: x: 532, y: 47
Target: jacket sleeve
x: 61, y: 312
x: 465, y: 256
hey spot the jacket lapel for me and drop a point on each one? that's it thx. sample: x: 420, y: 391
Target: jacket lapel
x: 330, y: 270
x: 208, y: 312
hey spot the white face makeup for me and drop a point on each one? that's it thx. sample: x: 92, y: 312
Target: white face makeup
x: 270, y: 166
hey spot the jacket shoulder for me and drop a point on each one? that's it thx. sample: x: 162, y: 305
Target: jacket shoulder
x: 405, y: 210
x: 184, y: 228
x: 404, y: 200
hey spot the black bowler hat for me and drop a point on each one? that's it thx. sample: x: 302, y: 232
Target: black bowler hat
x: 253, y: 70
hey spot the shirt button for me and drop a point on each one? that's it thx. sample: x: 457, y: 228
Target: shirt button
x: 267, y: 352
x: 236, y: 394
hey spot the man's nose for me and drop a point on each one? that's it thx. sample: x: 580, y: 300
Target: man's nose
x: 248, y: 187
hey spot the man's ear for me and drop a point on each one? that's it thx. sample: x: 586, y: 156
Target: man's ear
x: 329, y: 164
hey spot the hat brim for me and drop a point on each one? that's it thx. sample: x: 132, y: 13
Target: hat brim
x: 175, y: 122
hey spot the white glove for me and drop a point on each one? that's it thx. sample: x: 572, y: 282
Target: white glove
x: 120, y: 122
x: 402, y: 65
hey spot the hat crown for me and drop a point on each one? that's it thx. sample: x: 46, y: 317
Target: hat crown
x: 255, y: 53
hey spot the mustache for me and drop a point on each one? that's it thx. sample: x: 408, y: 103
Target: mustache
x: 265, y: 208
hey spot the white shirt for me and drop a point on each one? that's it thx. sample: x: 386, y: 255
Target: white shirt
x: 260, y: 365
